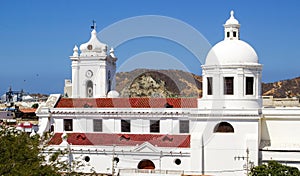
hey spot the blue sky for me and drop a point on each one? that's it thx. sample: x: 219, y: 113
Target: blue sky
x: 37, y: 37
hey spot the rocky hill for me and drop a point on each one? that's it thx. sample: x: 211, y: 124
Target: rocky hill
x: 282, y: 89
x: 158, y: 83
x: 177, y: 83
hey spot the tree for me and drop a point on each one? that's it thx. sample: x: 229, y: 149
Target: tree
x: 21, y: 155
x: 35, y: 105
x: 274, y: 168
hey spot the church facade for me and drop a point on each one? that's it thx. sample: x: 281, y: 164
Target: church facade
x: 225, y: 132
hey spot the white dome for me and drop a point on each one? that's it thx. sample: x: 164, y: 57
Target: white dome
x: 231, y: 52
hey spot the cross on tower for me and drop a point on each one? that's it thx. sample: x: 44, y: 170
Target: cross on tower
x: 94, y: 25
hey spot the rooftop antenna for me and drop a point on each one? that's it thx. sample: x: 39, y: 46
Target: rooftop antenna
x: 94, y: 25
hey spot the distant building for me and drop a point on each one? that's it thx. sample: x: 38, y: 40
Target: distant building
x: 68, y: 88
x: 16, y: 96
x: 214, y: 135
x: 269, y: 101
x: 4, y: 115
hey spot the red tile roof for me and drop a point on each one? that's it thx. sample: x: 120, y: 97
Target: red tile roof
x: 28, y: 110
x: 127, y: 102
x: 105, y: 139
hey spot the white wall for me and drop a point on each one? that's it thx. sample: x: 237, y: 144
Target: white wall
x: 280, y: 135
x: 140, y: 126
x: 281, y: 125
x: 111, y: 125
x: 220, y: 149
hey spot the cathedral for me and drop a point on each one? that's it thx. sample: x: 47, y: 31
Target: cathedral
x: 226, y: 132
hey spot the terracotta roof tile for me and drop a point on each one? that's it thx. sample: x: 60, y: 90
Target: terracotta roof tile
x: 105, y: 139
x: 127, y: 102
x: 28, y: 110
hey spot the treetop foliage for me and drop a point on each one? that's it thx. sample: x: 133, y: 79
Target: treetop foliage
x: 273, y: 168
x: 20, y: 154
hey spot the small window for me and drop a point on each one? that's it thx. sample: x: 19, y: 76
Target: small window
x: 125, y: 125
x: 228, y: 34
x: 177, y: 161
x: 224, y: 127
x: 68, y: 124
x: 228, y: 86
x: 184, y: 126
x: 234, y: 34
x: 209, y: 86
x: 97, y: 125
x: 87, y: 159
x: 154, y: 126
x: 249, y: 85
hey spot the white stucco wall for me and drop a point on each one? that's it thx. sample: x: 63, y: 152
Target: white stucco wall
x: 215, y: 152
x: 280, y: 135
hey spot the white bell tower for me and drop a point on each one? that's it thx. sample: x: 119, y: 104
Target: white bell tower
x: 93, y: 70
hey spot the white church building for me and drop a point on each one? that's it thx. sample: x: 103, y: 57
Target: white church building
x: 225, y: 132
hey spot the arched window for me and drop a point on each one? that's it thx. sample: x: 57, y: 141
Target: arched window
x: 224, y: 127
x: 234, y: 33
x: 146, y: 164
x: 89, y: 89
x: 109, y: 81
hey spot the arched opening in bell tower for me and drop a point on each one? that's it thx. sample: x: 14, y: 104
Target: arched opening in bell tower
x: 109, y: 81
x: 89, y: 89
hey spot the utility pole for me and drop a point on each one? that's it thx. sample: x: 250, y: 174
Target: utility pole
x: 160, y: 156
x: 247, y: 161
x: 248, y: 164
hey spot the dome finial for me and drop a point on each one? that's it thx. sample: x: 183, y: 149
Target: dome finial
x: 75, y: 51
x: 231, y: 14
x: 232, y: 20
x: 111, y: 52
